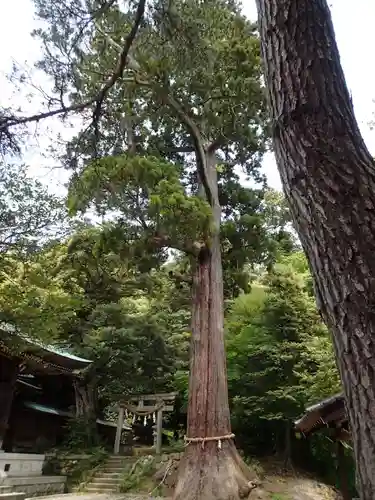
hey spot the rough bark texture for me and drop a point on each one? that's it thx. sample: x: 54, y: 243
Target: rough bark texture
x: 84, y: 398
x: 329, y: 180
x: 207, y: 472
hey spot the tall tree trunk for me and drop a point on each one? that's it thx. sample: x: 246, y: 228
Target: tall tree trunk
x: 84, y: 398
x: 329, y: 180
x: 211, y: 470
x: 85, y: 392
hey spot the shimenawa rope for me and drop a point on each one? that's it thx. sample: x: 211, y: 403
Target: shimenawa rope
x: 205, y: 440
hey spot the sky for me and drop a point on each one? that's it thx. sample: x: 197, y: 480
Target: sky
x: 354, y: 26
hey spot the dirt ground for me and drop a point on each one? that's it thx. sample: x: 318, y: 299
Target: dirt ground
x: 271, y: 487
x: 273, y: 483
x: 292, y: 488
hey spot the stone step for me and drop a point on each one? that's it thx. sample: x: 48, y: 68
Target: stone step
x: 108, y: 478
x: 13, y: 496
x: 113, y: 470
x: 116, y: 465
x: 100, y: 489
x: 105, y: 480
x: 114, y: 462
x: 108, y: 474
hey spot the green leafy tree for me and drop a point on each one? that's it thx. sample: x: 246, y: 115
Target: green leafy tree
x: 29, y: 215
x: 80, y: 295
x: 32, y: 299
x: 280, y: 358
x: 166, y: 147
x: 30, y: 218
x: 177, y: 107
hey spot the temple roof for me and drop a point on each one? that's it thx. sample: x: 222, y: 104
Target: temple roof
x: 55, y: 411
x: 330, y: 412
x: 47, y: 409
x: 56, y: 355
x: 38, y: 354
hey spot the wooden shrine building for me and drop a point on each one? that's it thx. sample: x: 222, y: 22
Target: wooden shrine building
x: 36, y: 391
x: 327, y: 414
x: 330, y: 416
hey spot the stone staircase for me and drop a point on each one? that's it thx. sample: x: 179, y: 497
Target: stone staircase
x: 108, y: 478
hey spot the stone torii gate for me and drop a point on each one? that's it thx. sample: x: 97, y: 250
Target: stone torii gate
x: 143, y: 406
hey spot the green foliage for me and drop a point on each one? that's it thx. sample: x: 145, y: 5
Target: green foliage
x: 279, y: 496
x: 204, y: 55
x: 193, y: 79
x: 174, y: 447
x: 30, y: 218
x: 81, y: 434
x: 132, y: 478
x: 32, y: 299
x: 193, y: 62
x: 279, y: 357
x: 29, y: 215
x: 150, y: 197
x: 78, y: 469
x: 82, y: 295
x: 323, y: 461
x: 132, y: 348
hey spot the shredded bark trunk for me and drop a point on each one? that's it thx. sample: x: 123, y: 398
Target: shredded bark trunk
x: 329, y: 180
x: 210, y: 471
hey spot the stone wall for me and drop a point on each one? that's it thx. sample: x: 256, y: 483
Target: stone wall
x: 34, y: 486
x: 21, y: 464
x: 22, y: 472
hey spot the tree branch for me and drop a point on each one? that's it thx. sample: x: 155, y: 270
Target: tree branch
x: 189, y: 247
x: 198, y: 143
x: 9, y: 121
x: 121, y: 62
x: 94, y: 15
x: 195, y: 133
x: 214, y: 145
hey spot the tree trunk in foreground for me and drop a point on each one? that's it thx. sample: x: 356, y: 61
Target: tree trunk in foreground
x: 211, y: 471
x: 84, y: 398
x: 329, y: 180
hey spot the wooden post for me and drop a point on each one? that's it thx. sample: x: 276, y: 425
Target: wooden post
x: 159, y: 431
x: 120, y: 424
x: 341, y: 472
x: 9, y: 369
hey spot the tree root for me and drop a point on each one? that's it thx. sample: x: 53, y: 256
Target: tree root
x: 212, y: 474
